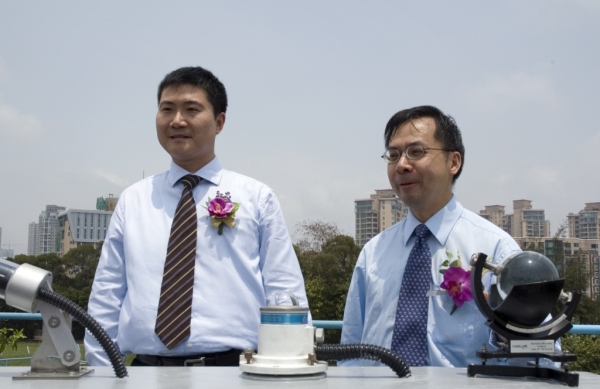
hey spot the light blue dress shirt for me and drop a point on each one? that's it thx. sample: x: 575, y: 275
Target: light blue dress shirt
x: 373, y: 296
x: 235, y: 272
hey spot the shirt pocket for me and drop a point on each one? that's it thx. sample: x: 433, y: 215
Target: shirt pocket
x: 459, y: 334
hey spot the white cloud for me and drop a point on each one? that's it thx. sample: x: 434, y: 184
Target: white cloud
x: 17, y: 125
x: 112, y: 178
x: 505, y: 93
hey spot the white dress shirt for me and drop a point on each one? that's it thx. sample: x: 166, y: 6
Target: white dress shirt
x: 373, y: 296
x: 235, y: 272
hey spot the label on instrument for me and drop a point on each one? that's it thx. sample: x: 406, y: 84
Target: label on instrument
x: 532, y: 346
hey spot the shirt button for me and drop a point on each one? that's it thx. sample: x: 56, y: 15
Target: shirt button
x: 190, y: 345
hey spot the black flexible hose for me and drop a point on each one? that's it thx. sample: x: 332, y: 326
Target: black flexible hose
x: 340, y: 352
x: 88, y: 322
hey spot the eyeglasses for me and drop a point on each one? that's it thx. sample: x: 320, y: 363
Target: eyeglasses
x: 413, y: 153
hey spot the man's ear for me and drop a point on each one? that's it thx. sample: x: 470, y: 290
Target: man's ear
x: 455, y: 162
x: 220, y: 121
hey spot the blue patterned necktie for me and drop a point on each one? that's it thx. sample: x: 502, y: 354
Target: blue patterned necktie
x: 409, y: 340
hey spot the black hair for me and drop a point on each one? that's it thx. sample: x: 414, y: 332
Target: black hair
x: 201, y: 78
x: 446, y: 130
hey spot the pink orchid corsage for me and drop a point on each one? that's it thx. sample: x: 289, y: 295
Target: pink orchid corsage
x: 457, y: 282
x: 222, y: 211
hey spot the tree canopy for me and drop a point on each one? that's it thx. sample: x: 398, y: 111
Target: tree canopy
x: 72, y: 275
x: 327, y: 259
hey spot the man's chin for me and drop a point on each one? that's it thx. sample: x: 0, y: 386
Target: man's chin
x: 178, y: 150
x: 408, y: 198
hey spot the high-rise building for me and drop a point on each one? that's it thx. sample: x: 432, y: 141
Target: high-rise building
x: 78, y: 227
x: 507, y: 222
x: 523, y: 222
x: 32, y: 239
x: 529, y: 222
x: 496, y: 215
x: 585, y: 224
x: 48, y: 241
x: 373, y: 215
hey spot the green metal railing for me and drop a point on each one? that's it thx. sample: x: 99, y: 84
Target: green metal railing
x: 326, y: 324
x: 583, y: 329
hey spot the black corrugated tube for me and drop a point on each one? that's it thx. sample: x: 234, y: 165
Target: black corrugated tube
x: 88, y: 322
x: 340, y: 352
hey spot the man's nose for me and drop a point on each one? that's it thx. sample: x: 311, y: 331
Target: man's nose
x: 403, y: 163
x: 178, y: 120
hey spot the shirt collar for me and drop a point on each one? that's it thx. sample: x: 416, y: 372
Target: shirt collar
x: 439, y: 224
x: 212, y: 172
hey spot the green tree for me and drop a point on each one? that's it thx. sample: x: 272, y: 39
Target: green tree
x: 327, y: 259
x: 587, y: 349
x: 79, y: 268
x: 327, y: 276
x: 574, y: 270
x: 588, y: 311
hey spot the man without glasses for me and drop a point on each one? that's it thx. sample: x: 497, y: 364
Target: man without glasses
x: 191, y: 254
x: 395, y: 299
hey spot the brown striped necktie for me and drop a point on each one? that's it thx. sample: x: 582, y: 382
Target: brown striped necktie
x: 175, y: 305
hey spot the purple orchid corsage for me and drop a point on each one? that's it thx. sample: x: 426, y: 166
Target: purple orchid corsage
x: 222, y: 211
x: 457, y: 282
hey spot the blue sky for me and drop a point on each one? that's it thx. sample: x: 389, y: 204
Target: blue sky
x: 311, y: 86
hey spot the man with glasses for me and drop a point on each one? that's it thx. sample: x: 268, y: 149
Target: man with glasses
x: 396, y: 298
